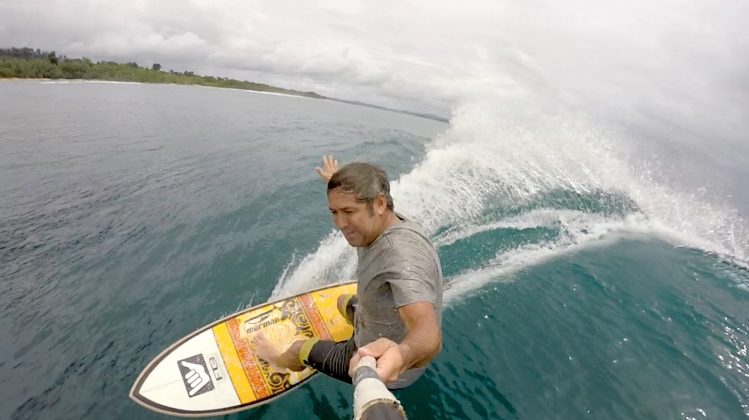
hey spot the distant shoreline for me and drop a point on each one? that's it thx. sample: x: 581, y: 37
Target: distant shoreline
x: 28, y: 64
x: 16, y: 79
x: 100, y: 81
x: 355, y: 103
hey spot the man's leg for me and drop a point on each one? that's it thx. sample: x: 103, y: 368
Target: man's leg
x: 328, y: 357
x: 331, y: 358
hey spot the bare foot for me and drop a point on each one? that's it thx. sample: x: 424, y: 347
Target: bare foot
x: 275, y: 355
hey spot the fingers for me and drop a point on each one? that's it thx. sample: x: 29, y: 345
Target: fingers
x: 329, y: 162
x: 325, y: 177
x: 376, y: 348
x: 388, y: 356
x: 329, y: 167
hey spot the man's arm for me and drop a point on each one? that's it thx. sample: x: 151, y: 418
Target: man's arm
x: 422, y: 343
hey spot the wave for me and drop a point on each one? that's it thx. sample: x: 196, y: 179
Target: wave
x: 504, y: 170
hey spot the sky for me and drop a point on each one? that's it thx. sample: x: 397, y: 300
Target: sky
x: 677, y: 59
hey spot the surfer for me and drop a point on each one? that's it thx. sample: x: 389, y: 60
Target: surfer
x: 397, y: 312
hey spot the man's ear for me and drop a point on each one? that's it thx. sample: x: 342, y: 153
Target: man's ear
x: 381, y: 204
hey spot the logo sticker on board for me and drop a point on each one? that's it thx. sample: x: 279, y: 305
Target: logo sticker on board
x: 195, y: 375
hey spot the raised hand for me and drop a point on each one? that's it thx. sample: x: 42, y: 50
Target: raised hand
x: 329, y: 166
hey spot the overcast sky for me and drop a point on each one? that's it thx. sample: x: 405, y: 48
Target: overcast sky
x: 424, y: 55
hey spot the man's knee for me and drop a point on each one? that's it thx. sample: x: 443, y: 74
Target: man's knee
x: 346, y: 305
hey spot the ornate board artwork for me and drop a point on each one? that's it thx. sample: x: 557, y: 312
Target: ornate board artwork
x: 234, y: 378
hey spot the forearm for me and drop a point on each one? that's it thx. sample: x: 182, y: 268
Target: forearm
x: 420, y: 346
x: 423, y: 338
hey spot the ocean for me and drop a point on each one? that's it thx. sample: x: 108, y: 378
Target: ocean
x: 594, y: 269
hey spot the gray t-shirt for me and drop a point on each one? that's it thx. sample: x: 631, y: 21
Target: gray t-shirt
x: 398, y: 268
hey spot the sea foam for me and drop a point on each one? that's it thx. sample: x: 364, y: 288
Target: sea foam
x: 495, y: 168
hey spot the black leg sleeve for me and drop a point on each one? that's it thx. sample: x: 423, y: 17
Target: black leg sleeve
x: 332, y: 358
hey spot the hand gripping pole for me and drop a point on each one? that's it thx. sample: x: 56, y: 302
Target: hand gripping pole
x: 372, y: 400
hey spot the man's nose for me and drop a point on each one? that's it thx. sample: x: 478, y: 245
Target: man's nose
x: 341, y: 221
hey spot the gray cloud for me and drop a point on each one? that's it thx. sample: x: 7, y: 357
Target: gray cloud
x: 626, y: 57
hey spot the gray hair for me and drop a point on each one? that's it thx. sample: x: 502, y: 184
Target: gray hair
x: 364, y: 180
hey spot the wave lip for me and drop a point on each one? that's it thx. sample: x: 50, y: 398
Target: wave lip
x: 573, y: 182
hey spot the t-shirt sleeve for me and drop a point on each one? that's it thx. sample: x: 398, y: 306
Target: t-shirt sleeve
x: 412, y: 277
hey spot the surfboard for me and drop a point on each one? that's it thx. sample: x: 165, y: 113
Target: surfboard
x: 215, y: 371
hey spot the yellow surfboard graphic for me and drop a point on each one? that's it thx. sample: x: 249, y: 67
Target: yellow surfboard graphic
x: 215, y: 370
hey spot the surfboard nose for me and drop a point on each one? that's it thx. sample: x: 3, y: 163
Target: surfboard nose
x: 188, y: 378
x: 215, y: 370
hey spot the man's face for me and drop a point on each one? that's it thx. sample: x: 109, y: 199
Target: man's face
x: 360, y: 225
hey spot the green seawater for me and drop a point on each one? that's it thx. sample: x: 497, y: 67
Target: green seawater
x: 132, y: 215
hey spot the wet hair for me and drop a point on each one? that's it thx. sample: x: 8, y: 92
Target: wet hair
x: 364, y: 180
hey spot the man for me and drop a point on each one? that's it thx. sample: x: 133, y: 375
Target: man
x: 397, y: 313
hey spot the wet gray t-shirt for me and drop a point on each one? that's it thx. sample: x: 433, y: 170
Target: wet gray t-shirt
x: 398, y: 268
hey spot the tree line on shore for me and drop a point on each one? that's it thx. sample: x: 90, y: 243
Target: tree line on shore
x: 38, y: 64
